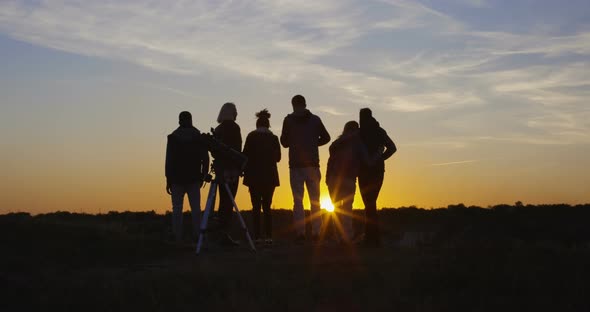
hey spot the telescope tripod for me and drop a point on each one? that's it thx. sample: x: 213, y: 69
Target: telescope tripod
x: 210, y: 205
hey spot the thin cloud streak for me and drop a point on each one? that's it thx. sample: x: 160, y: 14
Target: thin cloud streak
x: 331, y: 110
x: 286, y: 42
x: 454, y: 163
x: 278, y: 41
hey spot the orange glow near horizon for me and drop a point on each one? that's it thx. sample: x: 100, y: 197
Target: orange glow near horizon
x: 471, y: 125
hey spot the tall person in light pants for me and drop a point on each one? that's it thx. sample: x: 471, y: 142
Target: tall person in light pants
x: 302, y: 133
x: 187, y: 164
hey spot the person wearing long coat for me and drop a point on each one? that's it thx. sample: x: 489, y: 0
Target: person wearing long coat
x: 261, y: 175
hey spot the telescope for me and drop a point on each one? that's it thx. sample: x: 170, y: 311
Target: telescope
x: 230, y: 156
x: 220, y: 150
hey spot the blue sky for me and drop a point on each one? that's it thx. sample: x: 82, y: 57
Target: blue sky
x: 471, y: 87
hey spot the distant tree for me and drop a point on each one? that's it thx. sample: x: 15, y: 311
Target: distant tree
x: 456, y: 207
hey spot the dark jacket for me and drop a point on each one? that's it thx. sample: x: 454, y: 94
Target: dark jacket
x: 302, y: 133
x: 347, y: 155
x: 379, y: 145
x: 187, y: 158
x: 228, y: 132
x: 264, y: 152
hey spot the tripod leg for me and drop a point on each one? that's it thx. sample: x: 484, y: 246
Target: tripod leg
x: 240, y: 217
x: 208, y: 207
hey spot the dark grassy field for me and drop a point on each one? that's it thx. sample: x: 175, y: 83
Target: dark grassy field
x: 509, y: 258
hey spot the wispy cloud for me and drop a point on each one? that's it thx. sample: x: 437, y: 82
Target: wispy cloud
x: 559, y: 138
x: 331, y: 110
x: 170, y: 90
x: 394, y: 55
x: 475, y: 3
x: 454, y: 163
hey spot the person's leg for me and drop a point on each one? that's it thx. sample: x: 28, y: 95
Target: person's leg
x: 365, y: 187
x: 377, y: 184
x: 233, y: 187
x: 194, y: 198
x: 266, y: 203
x: 226, y: 211
x: 370, y: 185
x: 312, y: 181
x: 336, y: 218
x: 226, y: 205
x: 347, y: 194
x: 255, y: 198
x: 177, y: 191
x: 297, y: 178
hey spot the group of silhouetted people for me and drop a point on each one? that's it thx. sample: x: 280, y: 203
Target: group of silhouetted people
x: 359, y: 152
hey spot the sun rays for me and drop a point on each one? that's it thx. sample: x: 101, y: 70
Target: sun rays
x: 326, y: 203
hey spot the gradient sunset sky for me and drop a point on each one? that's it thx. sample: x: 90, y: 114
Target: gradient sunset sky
x: 487, y: 101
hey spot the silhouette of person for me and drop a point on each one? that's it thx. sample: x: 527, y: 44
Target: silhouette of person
x: 380, y: 147
x: 187, y: 164
x: 347, y: 155
x: 302, y: 133
x: 227, y: 132
x: 261, y: 175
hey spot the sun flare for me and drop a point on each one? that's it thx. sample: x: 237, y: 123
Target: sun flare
x: 326, y: 203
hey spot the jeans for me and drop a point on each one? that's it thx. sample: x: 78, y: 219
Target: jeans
x: 194, y: 197
x: 262, y: 198
x: 342, y: 195
x: 310, y: 176
x: 370, y: 183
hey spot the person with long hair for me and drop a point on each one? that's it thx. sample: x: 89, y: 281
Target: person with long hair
x: 261, y: 174
x: 347, y: 155
x: 380, y: 147
x: 228, y: 132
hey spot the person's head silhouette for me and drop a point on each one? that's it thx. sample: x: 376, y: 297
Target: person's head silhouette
x: 298, y: 103
x: 367, y: 121
x: 365, y: 115
x: 263, y: 119
x: 350, y: 127
x: 185, y: 119
x: 227, y: 112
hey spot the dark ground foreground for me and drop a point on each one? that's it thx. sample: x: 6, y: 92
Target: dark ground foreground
x: 458, y: 259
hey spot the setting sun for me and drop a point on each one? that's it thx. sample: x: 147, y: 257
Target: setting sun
x: 326, y: 203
